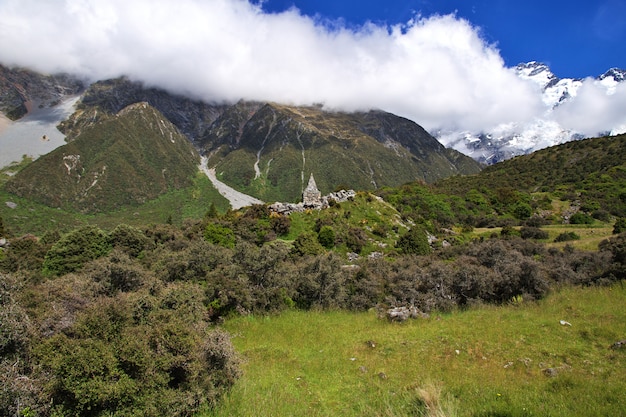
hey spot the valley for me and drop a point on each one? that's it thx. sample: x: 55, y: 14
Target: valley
x: 142, y: 271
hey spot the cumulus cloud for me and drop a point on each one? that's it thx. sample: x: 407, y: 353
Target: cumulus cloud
x: 594, y: 111
x: 437, y: 71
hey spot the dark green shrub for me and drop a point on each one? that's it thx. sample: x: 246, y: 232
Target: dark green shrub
x: 321, y: 283
x: 141, y: 355
x: 355, y: 239
x: 415, y: 242
x: 281, y: 225
x: 566, y: 236
x: 581, y: 218
x: 326, y: 237
x: 129, y: 239
x: 76, y: 248
x: 522, y: 211
x: 306, y: 244
x: 619, y: 226
x: 528, y: 232
x: 602, y: 215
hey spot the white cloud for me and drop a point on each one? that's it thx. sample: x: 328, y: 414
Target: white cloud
x: 437, y: 71
x: 594, y: 111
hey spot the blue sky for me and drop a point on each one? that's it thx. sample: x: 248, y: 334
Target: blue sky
x: 575, y: 38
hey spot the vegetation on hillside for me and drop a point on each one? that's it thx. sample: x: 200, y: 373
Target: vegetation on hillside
x: 102, y: 316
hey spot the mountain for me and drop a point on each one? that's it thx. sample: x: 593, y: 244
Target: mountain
x: 123, y: 159
x: 269, y: 150
x: 103, y: 98
x: 511, y: 139
x: 22, y: 89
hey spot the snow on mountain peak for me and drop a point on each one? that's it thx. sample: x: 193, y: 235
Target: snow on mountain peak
x: 510, y: 139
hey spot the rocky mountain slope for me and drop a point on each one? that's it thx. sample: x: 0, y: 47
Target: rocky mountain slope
x: 123, y: 159
x: 21, y: 90
x: 269, y: 150
x: 510, y: 139
x: 266, y: 149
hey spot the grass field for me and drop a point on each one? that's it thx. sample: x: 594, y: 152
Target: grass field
x: 514, y: 360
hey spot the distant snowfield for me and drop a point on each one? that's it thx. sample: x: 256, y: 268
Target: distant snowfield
x: 35, y: 134
x: 237, y: 199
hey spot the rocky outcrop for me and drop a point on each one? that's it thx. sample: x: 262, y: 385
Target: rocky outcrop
x: 321, y: 203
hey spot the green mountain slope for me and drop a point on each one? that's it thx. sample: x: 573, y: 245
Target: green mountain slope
x: 591, y: 171
x: 125, y: 159
x: 269, y: 150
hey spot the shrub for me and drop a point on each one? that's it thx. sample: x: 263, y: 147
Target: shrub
x: 281, y: 225
x: 321, y: 283
x: 326, y: 237
x: 129, y: 239
x: 149, y: 355
x: 566, y: 236
x: 415, y: 242
x: 306, y: 244
x: 74, y: 249
x: 528, y: 232
x: 619, y: 226
x: 219, y: 235
x: 581, y: 218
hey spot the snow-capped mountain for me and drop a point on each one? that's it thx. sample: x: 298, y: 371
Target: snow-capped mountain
x: 511, y: 139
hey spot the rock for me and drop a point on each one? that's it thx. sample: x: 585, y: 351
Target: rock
x: 405, y: 313
x: 11, y: 205
x: 550, y: 372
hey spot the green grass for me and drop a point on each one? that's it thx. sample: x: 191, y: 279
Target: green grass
x: 488, y: 361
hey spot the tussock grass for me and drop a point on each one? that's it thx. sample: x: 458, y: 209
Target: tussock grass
x: 515, y: 360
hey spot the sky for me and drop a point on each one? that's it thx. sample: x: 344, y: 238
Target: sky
x: 576, y: 39
x: 444, y: 64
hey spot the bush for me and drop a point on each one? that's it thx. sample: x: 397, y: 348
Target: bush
x: 619, y: 226
x: 326, y: 237
x: 219, y: 235
x: 306, y: 244
x: 415, y: 242
x: 566, y: 236
x: 581, y: 218
x: 528, y: 232
x: 141, y: 355
x: 76, y: 248
x: 129, y: 239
